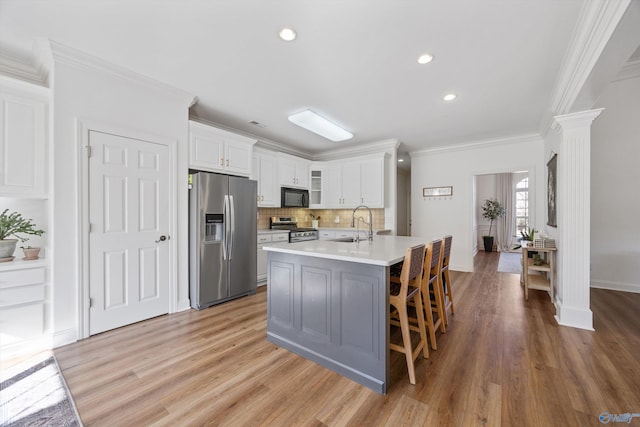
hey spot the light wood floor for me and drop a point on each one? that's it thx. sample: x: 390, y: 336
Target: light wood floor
x: 503, y: 361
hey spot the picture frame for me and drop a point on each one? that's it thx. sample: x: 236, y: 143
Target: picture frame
x: 437, y: 191
x: 552, y: 187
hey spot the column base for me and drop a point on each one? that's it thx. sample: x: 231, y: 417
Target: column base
x: 574, y: 317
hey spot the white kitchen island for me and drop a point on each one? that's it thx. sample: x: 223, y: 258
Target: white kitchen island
x: 329, y: 302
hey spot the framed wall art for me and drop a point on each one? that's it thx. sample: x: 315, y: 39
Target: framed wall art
x: 552, y: 186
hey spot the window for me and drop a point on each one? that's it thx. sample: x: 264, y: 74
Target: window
x: 522, y: 205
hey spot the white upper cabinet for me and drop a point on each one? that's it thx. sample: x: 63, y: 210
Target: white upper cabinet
x: 355, y: 182
x: 293, y: 171
x: 333, y: 185
x: 23, y: 136
x: 217, y: 150
x: 372, y: 182
x: 265, y: 172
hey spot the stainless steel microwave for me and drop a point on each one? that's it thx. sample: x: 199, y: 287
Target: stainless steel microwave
x: 294, y: 198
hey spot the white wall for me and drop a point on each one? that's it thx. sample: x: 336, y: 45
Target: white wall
x: 403, y: 190
x: 485, y: 189
x: 456, y: 166
x: 615, y: 179
x: 82, y: 89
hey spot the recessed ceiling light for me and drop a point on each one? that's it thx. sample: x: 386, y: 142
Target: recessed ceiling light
x: 450, y: 97
x: 400, y: 160
x: 425, y: 58
x: 317, y: 124
x: 287, y: 34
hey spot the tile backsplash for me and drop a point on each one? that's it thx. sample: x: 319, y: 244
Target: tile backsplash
x: 327, y: 217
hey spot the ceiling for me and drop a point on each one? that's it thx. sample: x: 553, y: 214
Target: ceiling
x: 354, y: 62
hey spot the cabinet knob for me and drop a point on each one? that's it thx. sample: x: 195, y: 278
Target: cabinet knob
x: 227, y: 162
x: 221, y: 161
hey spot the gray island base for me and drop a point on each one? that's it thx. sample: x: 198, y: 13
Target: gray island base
x: 329, y: 302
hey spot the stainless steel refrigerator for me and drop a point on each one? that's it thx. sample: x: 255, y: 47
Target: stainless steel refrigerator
x: 222, y: 238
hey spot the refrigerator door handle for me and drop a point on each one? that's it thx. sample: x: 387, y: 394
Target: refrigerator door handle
x: 225, y: 238
x: 233, y: 226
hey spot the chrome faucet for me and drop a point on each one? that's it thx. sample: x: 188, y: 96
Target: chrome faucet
x: 353, y: 220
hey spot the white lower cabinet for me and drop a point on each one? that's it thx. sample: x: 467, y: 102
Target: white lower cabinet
x: 22, y: 300
x: 262, y: 254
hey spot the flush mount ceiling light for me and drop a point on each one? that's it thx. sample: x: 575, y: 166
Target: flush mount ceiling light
x: 425, y: 58
x: 450, y: 97
x: 317, y: 124
x: 287, y: 34
x: 400, y: 160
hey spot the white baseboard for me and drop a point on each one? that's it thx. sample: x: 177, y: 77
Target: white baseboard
x: 68, y: 336
x: 183, y: 305
x: 616, y: 286
x: 574, y: 317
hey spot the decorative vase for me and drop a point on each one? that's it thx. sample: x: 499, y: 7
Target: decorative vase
x: 31, y: 253
x: 7, y: 248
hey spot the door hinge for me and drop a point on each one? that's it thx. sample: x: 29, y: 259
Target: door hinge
x: 90, y: 302
x: 88, y: 147
x: 90, y: 227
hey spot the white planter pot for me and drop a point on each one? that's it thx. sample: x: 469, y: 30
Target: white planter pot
x: 7, y: 248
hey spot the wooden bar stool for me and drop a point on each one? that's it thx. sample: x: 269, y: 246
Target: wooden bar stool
x: 446, y: 279
x: 434, y: 274
x: 399, y: 295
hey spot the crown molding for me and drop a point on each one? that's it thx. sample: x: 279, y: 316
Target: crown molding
x: 63, y: 54
x: 631, y: 70
x: 358, y: 150
x: 474, y: 145
x: 596, y: 24
x: 21, y: 68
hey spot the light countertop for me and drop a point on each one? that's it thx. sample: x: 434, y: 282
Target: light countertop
x: 354, y: 229
x: 383, y: 250
x: 270, y: 231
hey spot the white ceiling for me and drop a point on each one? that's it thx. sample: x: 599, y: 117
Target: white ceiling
x: 354, y: 61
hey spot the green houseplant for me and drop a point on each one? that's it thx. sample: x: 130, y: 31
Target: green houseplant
x: 491, y: 210
x: 14, y: 224
x: 526, y: 235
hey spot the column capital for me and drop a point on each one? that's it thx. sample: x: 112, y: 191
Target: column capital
x: 576, y: 120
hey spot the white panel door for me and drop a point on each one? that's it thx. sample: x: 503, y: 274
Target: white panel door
x: 129, y: 212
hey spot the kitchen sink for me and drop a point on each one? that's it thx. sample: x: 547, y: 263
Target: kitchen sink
x: 344, y: 239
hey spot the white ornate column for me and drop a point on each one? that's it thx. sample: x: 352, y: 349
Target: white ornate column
x: 574, y: 219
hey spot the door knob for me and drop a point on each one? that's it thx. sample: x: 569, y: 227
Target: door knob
x: 162, y: 239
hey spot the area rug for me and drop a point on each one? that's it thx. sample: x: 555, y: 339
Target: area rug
x: 36, y: 395
x: 510, y: 263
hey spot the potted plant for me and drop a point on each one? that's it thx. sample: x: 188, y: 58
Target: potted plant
x: 314, y: 221
x: 13, y: 224
x: 527, y: 235
x: 30, y: 253
x: 491, y: 210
